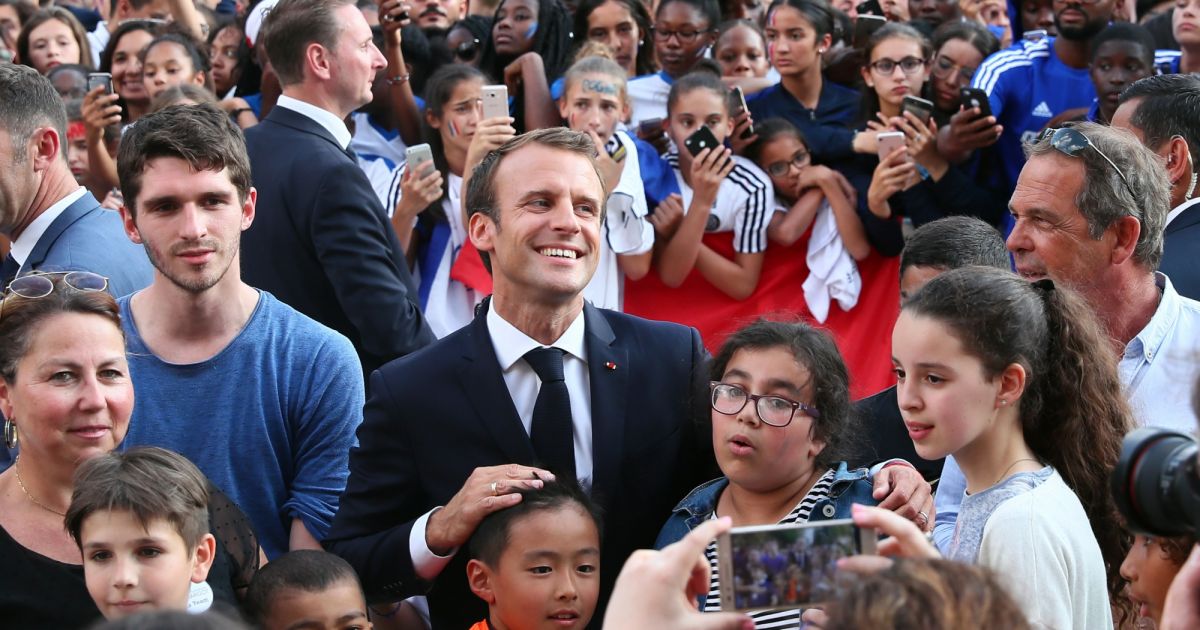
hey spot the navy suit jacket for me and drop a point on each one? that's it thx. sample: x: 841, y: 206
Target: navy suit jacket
x: 434, y: 416
x: 322, y: 243
x: 1181, y: 251
x: 87, y: 237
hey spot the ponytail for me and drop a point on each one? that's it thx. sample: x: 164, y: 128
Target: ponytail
x: 1073, y: 412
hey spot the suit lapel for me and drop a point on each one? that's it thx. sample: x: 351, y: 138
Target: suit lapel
x: 73, y: 213
x: 300, y: 122
x: 483, y: 386
x: 1186, y: 219
x: 608, y: 371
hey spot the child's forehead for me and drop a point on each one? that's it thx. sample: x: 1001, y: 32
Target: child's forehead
x: 561, y: 529
x: 104, y: 522
x: 597, y: 85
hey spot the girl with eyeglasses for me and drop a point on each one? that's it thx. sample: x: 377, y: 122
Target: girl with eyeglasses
x: 623, y: 26
x: 528, y: 48
x: 683, y: 32
x: 1015, y: 380
x: 959, y: 48
x: 913, y: 181
x: 782, y: 426
x: 803, y: 190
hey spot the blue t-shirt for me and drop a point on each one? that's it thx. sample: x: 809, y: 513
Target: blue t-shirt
x: 827, y: 129
x: 270, y: 419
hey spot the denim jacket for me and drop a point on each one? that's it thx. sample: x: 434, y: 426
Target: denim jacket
x: 849, y: 487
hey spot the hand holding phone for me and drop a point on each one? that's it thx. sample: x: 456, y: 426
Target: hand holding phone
x: 495, y: 101
x: 919, y: 107
x: 889, y: 141
x: 100, y: 79
x: 418, y: 158
x: 975, y: 97
x: 739, y: 108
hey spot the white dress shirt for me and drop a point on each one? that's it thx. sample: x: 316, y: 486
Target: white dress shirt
x: 334, y: 125
x: 23, y: 246
x: 1179, y: 210
x: 523, y: 385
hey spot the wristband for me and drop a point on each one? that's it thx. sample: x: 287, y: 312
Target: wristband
x: 399, y: 79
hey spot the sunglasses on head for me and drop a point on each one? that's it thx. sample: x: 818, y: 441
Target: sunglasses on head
x: 39, y: 284
x: 1069, y: 141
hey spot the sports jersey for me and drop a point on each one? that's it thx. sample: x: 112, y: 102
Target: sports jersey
x: 648, y: 97
x: 744, y: 205
x: 371, y: 141
x: 625, y: 229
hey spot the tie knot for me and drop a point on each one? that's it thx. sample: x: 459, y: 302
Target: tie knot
x: 547, y: 363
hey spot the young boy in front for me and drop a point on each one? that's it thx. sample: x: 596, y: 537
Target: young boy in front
x: 314, y: 590
x: 537, y: 564
x: 140, y: 519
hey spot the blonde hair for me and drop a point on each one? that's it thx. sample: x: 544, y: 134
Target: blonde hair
x: 595, y: 64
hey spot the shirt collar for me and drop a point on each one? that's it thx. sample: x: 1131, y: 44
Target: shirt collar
x: 23, y: 246
x: 334, y: 125
x: 1179, y: 210
x: 511, y: 344
x: 1148, y: 341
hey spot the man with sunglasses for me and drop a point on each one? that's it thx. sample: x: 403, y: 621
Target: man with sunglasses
x: 53, y: 222
x: 1164, y: 113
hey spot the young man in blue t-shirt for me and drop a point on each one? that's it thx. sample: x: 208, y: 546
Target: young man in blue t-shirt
x: 264, y: 400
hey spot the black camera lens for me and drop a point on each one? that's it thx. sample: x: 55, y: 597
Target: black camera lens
x: 1155, y: 483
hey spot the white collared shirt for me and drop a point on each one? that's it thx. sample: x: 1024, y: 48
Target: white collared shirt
x: 1179, y: 210
x: 334, y: 125
x: 523, y: 384
x: 23, y: 246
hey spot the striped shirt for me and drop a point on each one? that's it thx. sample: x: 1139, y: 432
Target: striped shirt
x: 768, y: 619
x: 744, y: 205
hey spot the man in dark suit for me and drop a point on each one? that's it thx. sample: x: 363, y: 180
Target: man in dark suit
x: 459, y: 425
x: 1164, y: 113
x: 54, y: 223
x: 322, y: 243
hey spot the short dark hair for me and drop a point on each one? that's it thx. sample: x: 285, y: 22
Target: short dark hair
x: 491, y: 538
x: 307, y: 570
x: 1170, y: 106
x: 953, y: 242
x: 294, y: 24
x: 481, y: 190
x: 30, y: 102
x: 815, y: 350
x: 148, y: 482
x: 1126, y: 32
x: 202, y: 135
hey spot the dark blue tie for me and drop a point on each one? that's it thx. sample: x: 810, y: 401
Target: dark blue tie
x: 552, y: 431
x: 9, y: 270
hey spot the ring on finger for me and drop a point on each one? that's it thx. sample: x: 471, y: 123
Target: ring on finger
x: 495, y: 488
x: 923, y: 516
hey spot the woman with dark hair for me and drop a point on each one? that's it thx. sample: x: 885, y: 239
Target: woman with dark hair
x: 529, y: 48
x: 959, y: 48
x: 1016, y: 380
x: 229, y: 55
x: 782, y: 426
x: 173, y: 59
x: 623, y: 26
x: 13, y: 15
x: 52, y: 37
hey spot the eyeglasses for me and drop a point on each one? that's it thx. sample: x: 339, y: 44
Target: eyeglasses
x: 943, y: 69
x: 467, y: 50
x: 775, y: 411
x: 38, y: 284
x: 1070, y: 142
x: 685, y: 37
x: 799, y: 159
x: 909, y: 65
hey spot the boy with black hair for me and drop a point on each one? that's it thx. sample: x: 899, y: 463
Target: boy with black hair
x: 537, y: 564
x: 307, y: 589
x: 140, y: 519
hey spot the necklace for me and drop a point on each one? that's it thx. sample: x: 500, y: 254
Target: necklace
x: 1002, y: 475
x: 17, y: 470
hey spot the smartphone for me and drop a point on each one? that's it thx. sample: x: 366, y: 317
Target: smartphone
x: 618, y: 153
x: 739, y: 106
x: 416, y: 157
x: 787, y: 566
x: 702, y: 139
x: 975, y: 97
x: 495, y: 101
x: 920, y: 108
x: 1035, y: 35
x: 97, y: 79
x: 864, y: 27
x: 889, y: 141
x: 870, y: 7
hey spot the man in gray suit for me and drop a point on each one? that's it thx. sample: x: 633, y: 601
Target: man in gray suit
x: 54, y: 223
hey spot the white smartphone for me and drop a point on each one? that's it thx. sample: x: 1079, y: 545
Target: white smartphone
x: 787, y: 566
x: 889, y: 141
x: 495, y: 101
x: 417, y: 156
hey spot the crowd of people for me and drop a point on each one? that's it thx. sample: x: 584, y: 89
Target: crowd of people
x: 444, y: 313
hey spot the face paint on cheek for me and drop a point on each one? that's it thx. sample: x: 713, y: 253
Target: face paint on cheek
x: 532, y: 31
x: 453, y: 128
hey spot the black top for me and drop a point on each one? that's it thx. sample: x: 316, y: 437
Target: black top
x: 40, y: 592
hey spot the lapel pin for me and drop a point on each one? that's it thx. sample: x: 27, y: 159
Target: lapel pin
x: 610, y: 366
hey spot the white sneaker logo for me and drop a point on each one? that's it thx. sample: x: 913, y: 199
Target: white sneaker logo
x: 1043, y: 110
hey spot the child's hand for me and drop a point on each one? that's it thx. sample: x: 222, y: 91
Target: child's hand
x: 893, y: 175
x: 418, y: 191
x: 609, y: 168
x: 99, y: 111
x: 709, y: 169
x: 666, y: 217
x: 742, y: 123
x: 921, y: 139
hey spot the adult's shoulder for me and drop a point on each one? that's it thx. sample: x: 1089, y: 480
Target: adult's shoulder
x: 301, y: 331
x: 636, y: 327
x: 1012, y: 61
